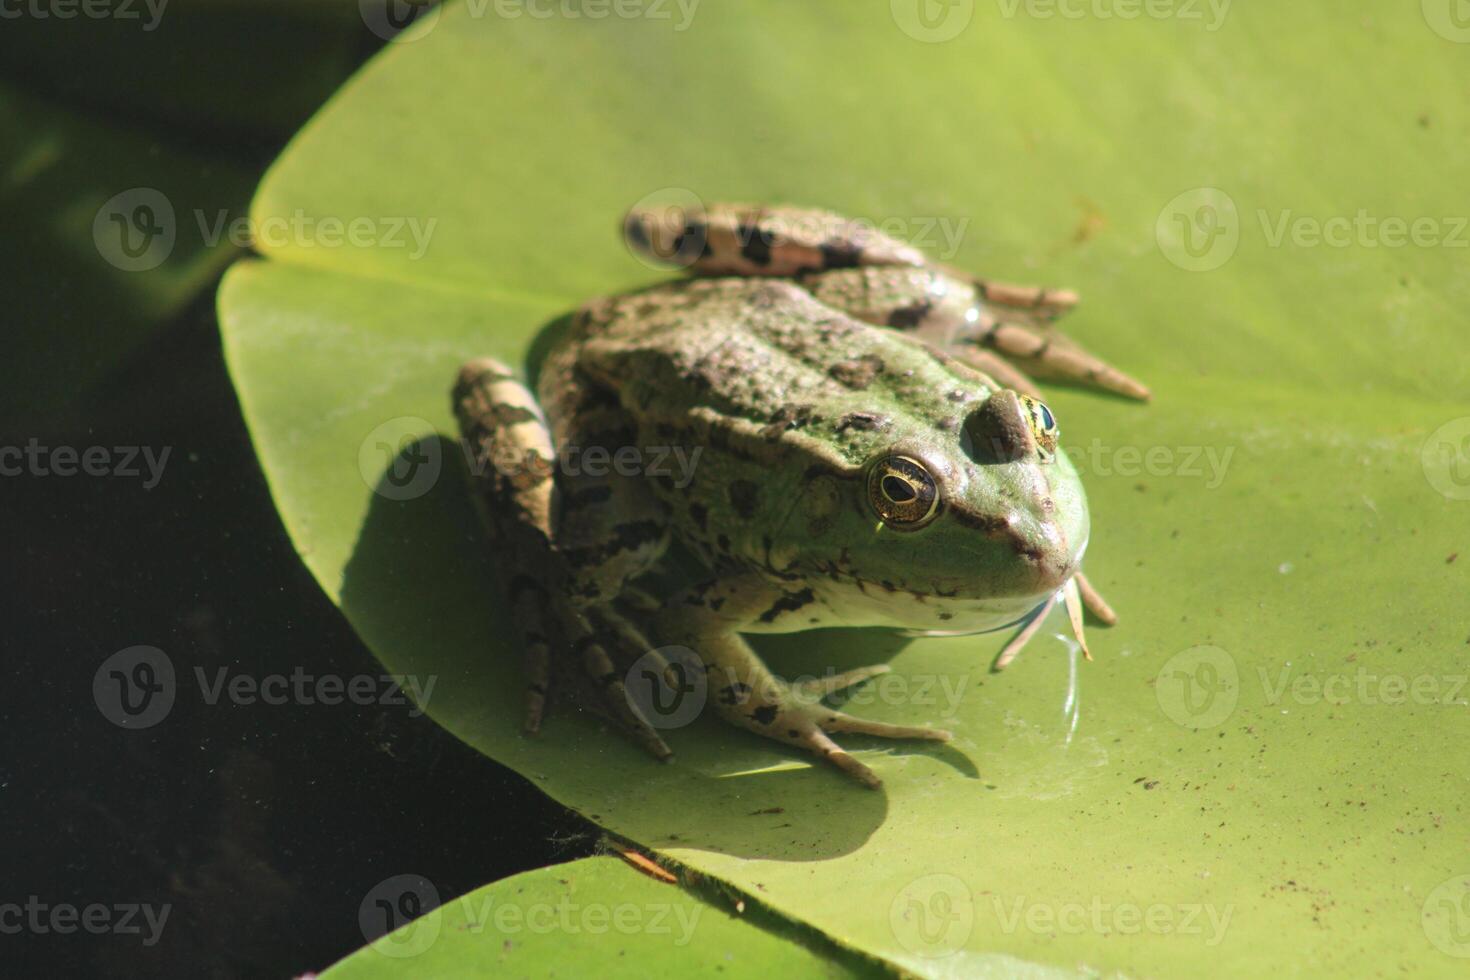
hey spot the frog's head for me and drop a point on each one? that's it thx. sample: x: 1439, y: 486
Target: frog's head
x: 989, y: 512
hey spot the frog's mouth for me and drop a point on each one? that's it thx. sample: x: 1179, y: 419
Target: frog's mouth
x: 1069, y: 595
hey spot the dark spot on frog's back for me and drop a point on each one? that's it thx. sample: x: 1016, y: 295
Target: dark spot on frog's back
x: 755, y: 244
x: 908, y: 317
x: 700, y: 515
x: 858, y: 372
x: 745, y: 497
x: 863, y: 421
x: 840, y: 255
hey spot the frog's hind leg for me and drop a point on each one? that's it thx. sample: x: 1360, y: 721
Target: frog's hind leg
x: 1011, y: 342
x: 745, y: 240
x: 513, y: 472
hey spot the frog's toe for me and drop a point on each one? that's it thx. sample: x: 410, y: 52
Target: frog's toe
x: 839, y: 722
x: 819, y: 687
x: 817, y: 742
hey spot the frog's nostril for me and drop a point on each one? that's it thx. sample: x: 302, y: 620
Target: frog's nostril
x: 997, y: 431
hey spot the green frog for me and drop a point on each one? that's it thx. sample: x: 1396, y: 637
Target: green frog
x: 868, y: 447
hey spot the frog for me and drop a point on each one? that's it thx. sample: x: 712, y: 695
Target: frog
x: 872, y: 451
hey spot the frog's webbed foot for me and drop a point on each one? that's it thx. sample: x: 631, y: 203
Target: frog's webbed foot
x: 1076, y: 595
x: 795, y: 713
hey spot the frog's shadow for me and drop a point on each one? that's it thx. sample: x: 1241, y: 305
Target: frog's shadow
x: 421, y: 588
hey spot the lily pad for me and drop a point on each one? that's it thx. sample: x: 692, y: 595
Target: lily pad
x: 1265, y: 764
x: 593, y: 917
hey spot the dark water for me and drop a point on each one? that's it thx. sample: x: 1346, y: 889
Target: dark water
x: 256, y: 829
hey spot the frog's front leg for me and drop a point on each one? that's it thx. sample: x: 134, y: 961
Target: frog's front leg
x: 708, y: 619
x: 548, y: 554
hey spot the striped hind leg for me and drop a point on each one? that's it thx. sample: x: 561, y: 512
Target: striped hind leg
x: 748, y: 240
x: 1011, y: 341
x: 512, y: 463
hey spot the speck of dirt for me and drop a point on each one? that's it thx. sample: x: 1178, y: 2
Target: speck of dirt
x: 1451, y: 559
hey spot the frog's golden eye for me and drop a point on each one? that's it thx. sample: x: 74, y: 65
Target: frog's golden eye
x: 903, y: 493
x: 1043, y: 426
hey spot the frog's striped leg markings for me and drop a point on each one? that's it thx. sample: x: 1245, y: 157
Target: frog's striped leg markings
x: 746, y: 240
x: 708, y: 618
x: 512, y: 467
x: 511, y: 459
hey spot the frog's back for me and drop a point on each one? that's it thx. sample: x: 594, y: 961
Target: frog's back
x: 763, y: 357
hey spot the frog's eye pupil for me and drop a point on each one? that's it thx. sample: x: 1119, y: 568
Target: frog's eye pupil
x: 898, y: 490
x: 1047, y: 421
x: 902, y: 492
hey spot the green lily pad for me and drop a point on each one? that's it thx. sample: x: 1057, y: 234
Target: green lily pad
x: 1265, y: 764
x: 595, y: 917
